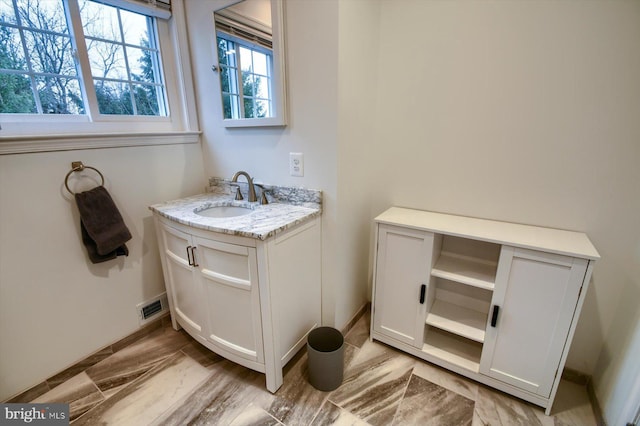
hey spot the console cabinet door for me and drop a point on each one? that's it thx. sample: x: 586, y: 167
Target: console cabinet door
x: 536, y: 294
x: 403, y: 263
x: 229, y: 277
x: 183, y: 289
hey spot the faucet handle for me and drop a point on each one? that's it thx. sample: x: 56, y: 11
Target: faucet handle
x: 263, y: 194
x: 239, y: 194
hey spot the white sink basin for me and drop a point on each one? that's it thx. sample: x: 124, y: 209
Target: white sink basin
x: 224, y: 211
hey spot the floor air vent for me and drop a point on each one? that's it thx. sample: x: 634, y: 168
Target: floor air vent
x: 150, y: 309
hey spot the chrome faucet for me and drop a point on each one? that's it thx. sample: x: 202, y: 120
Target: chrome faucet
x: 252, y: 189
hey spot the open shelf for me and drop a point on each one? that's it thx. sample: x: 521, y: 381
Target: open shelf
x: 458, y: 320
x: 456, y: 350
x: 466, y: 270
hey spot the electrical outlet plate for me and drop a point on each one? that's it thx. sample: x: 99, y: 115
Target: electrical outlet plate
x: 296, y: 164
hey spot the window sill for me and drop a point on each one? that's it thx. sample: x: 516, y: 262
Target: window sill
x: 46, y: 143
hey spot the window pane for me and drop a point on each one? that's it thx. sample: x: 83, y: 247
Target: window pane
x: 99, y: 20
x: 45, y: 15
x: 50, y: 53
x: 259, y: 63
x: 231, y: 106
x: 262, y: 108
x: 141, y: 64
x: 11, y: 52
x: 226, y: 75
x: 245, y: 59
x: 254, y: 108
x: 229, y: 80
x: 107, y: 60
x: 146, y: 99
x: 7, y: 13
x: 226, y: 52
x: 135, y: 28
x: 59, y: 95
x: 16, y: 95
x: 247, y: 84
x: 113, y: 97
x: 261, y: 87
x: 226, y: 106
x: 248, y: 108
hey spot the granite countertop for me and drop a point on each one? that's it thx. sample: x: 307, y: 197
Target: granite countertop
x: 265, y: 220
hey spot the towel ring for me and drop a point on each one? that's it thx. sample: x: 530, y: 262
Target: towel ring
x: 77, y: 166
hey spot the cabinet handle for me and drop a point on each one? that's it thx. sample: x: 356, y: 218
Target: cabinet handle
x: 193, y: 256
x: 189, y: 257
x: 423, y: 289
x: 494, y: 315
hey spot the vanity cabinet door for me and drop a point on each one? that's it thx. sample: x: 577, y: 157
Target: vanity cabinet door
x: 229, y: 277
x: 403, y: 262
x: 534, y: 302
x: 184, y: 290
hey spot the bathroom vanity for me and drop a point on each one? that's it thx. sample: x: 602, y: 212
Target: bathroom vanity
x: 244, y: 284
x: 496, y: 302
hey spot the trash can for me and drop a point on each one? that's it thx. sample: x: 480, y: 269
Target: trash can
x: 325, y: 352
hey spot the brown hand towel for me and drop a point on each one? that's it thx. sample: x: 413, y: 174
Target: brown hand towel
x: 103, y: 230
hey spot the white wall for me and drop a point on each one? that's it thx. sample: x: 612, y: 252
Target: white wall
x: 56, y: 307
x: 357, y: 75
x: 313, y: 129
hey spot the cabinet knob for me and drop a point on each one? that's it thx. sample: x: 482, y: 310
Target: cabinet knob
x: 423, y: 289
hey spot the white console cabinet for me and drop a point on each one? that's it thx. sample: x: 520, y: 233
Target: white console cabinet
x: 496, y: 302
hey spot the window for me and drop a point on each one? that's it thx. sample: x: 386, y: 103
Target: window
x: 78, y: 74
x: 245, y: 77
x: 47, y: 46
x: 37, y: 70
x: 124, y: 59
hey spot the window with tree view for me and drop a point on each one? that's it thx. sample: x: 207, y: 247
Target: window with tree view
x: 109, y: 64
x: 245, y: 76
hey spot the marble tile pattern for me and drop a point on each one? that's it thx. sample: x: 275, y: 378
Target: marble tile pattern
x: 167, y: 378
x: 287, y: 207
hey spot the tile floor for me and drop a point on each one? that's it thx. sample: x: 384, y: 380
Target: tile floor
x: 166, y: 378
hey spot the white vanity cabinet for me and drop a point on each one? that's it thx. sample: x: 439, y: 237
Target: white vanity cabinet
x: 250, y: 301
x: 497, y: 302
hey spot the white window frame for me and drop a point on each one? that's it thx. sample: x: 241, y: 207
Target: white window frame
x: 23, y: 133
